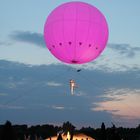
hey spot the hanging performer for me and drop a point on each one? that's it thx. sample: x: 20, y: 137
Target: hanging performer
x: 72, y: 86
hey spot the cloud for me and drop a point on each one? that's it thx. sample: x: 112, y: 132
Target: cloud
x: 116, y: 57
x: 49, y: 85
x: 28, y: 37
x: 3, y: 94
x: 11, y: 107
x: 53, y: 84
x: 124, y: 49
x: 37, y: 39
x: 5, y: 43
x: 125, y: 102
x: 61, y: 107
x: 12, y: 85
x: 58, y: 107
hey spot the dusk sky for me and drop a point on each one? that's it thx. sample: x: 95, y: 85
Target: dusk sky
x: 34, y: 86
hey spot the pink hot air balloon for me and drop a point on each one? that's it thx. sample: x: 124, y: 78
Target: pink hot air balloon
x: 76, y: 32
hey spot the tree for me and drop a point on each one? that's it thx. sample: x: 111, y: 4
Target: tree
x: 103, y: 132
x: 8, y: 132
x: 68, y: 127
x: 114, y: 133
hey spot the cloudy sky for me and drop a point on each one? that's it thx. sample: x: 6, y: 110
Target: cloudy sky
x: 34, y: 86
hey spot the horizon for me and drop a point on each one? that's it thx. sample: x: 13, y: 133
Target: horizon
x: 60, y: 125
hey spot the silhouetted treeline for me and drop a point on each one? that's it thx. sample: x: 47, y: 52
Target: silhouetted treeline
x: 40, y: 132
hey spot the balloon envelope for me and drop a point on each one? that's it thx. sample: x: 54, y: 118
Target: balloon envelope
x: 76, y: 32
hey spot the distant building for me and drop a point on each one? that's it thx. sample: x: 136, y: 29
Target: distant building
x: 78, y: 136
